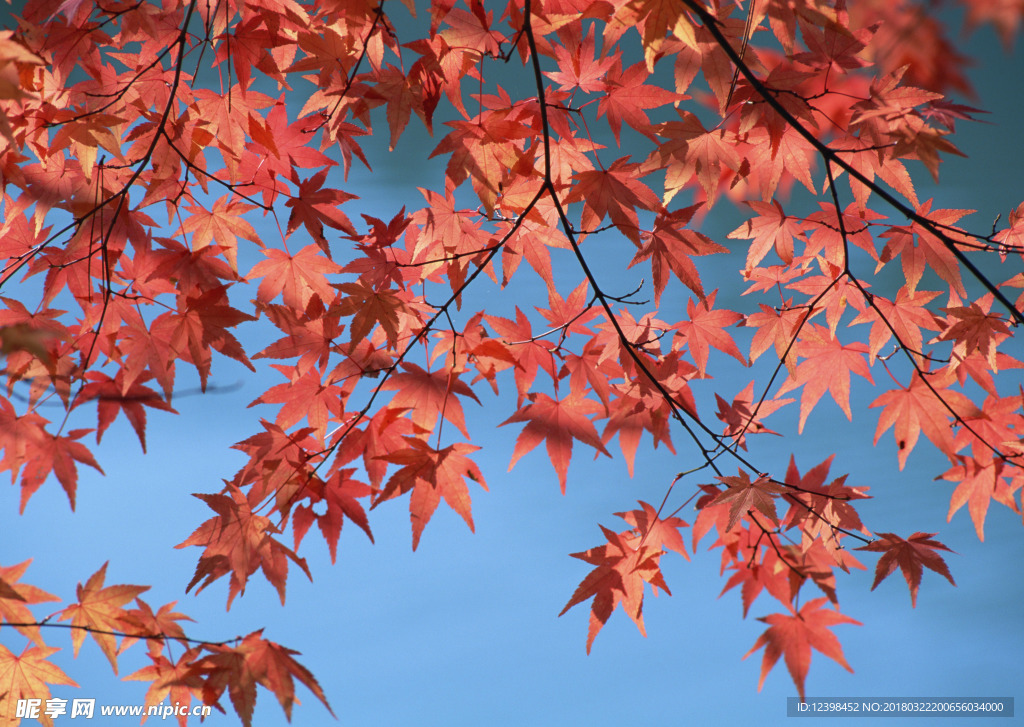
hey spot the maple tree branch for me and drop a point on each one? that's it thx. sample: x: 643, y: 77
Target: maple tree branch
x: 711, y: 23
x: 46, y: 623
x: 549, y: 187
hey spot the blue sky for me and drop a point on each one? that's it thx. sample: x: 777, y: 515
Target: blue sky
x: 464, y: 631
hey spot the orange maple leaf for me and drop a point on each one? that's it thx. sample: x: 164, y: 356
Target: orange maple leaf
x: 179, y: 680
x: 26, y: 677
x: 296, y: 277
x: 99, y: 611
x: 15, y: 598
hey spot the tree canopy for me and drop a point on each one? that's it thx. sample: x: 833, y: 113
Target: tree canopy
x: 175, y: 193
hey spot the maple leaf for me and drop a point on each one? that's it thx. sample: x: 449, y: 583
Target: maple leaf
x: 744, y: 496
x: 920, y: 408
x: 99, y: 611
x: 339, y: 493
x: 178, y: 680
x: 222, y: 225
x: 296, y: 277
x: 973, y: 328
x: 106, y: 113
x: 741, y: 418
x: 238, y: 669
x: 619, y: 577
x: 16, y: 597
x: 369, y: 307
x: 58, y: 455
x: 772, y: 229
x: 655, y: 531
x: 794, y: 635
x: 431, y: 474
x: 313, y: 207
x: 558, y: 422
x: 911, y: 555
x: 201, y: 323
x: 826, y: 367
x: 830, y: 505
x: 626, y: 96
x: 578, y: 68
x: 429, y: 394
x: 669, y: 246
x: 26, y: 677
x: 905, y: 317
x: 113, y: 396
x: 702, y: 329
x: 978, y: 482
x: 532, y: 353
x: 614, y: 192
x: 239, y: 542
x: 918, y: 246
x: 163, y: 625
x: 692, y: 151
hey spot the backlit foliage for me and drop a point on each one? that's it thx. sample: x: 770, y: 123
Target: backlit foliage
x: 175, y: 172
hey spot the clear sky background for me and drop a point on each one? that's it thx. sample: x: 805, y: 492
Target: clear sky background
x: 464, y: 631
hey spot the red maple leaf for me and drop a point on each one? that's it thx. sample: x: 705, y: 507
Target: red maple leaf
x: 655, y: 531
x: 429, y: 394
x: 793, y: 635
x: 112, y: 397
x: 431, y: 474
x: 911, y: 555
x: 693, y: 151
x: 238, y: 669
x: 742, y: 419
x: 296, y: 277
x: 340, y: 495
x: 178, y: 680
x: 577, y: 67
x: 238, y: 542
x: 772, y: 229
x: 669, y: 247
x: 703, y: 328
x: 558, y: 422
x: 615, y: 192
x: 622, y: 569
x: 826, y: 367
x: 627, y: 96
x: 313, y: 206
x: 920, y: 408
x: 744, y: 496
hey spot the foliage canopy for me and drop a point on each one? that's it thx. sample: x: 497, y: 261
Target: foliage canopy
x: 174, y: 172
